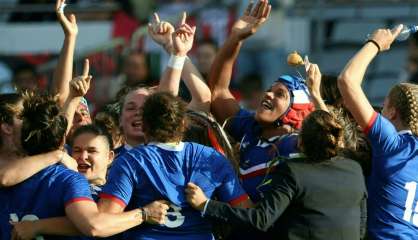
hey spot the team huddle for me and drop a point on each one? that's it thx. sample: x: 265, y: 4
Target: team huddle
x: 315, y: 160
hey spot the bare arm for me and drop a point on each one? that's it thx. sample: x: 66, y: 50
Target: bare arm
x: 161, y: 33
x: 223, y: 103
x: 314, y: 86
x: 91, y: 222
x: 18, y: 170
x: 64, y: 70
x: 350, y: 79
x: 100, y: 224
x: 79, y: 87
x: 201, y: 95
x: 50, y: 226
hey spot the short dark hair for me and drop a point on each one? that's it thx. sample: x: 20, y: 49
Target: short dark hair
x: 43, y: 127
x: 109, y: 117
x: 321, y: 136
x: 163, y: 117
x: 95, y: 129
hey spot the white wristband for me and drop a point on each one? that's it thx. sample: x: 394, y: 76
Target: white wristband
x: 176, y: 62
x: 61, y: 8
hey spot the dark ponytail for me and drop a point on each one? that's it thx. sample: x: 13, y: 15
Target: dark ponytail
x: 321, y: 136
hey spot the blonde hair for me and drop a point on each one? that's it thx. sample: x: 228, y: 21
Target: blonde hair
x: 404, y: 97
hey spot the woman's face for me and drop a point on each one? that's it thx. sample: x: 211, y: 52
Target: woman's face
x: 93, y: 155
x: 130, y: 121
x: 274, y: 104
x: 81, y: 117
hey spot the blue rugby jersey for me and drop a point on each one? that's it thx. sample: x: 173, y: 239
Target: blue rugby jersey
x: 258, y: 156
x: 392, y: 185
x: 44, y: 195
x: 160, y: 171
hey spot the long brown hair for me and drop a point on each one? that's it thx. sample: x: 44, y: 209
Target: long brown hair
x: 321, y: 136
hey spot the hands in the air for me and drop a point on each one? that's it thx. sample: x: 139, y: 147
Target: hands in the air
x: 81, y: 84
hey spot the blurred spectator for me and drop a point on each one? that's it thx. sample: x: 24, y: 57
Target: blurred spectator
x: 25, y: 77
x: 135, y: 71
x: 410, y: 72
x: 47, y: 15
x: 214, y: 21
x: 205, y: 54
x: 6, y: 85
x: 5, y: 16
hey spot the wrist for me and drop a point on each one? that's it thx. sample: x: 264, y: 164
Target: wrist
x: 234, y: 38
x: 176, y: 61
x: 144, y: 214
x: 70, y: 37
x: 372, y: 42
x: 168, y: 48
x: 203, y: 205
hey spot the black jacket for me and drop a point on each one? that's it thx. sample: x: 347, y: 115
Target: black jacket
x: 307, y: 201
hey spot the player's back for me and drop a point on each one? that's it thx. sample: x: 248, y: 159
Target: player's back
x: 44, y: 195
x: 393, y: 200
x: 162, y: 171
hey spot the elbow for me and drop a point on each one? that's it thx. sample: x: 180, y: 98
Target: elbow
x: 342, y: 80
x: 343, y: 83
x: 94, y: 229
x: 263, y: 225
x: 204, y: 98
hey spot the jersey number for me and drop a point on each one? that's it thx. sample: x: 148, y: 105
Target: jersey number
x: 174, y: 218
x: 409, y: 213
x: 29, y: 217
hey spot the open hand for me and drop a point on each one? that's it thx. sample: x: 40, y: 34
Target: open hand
x: 313, y: 80
x: 81, y: 84
x: 252, y: 19
x: 69, y: 25
x: 195, y: 196
x: 160, y: 32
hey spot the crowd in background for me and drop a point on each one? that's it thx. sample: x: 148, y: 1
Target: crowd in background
x: 231, y: 139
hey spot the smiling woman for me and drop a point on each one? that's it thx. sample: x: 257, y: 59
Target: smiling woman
x: 130, y: 119
x: 93, y: 149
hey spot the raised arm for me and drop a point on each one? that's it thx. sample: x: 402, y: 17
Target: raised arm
x: 313, y: 82
x: 64, y: 71
x: 350, y: 79
x: 182, y: 40
x: 160, y: 32
x: 223, y: 103
x: 18, y: 170
x: 78, y: 88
